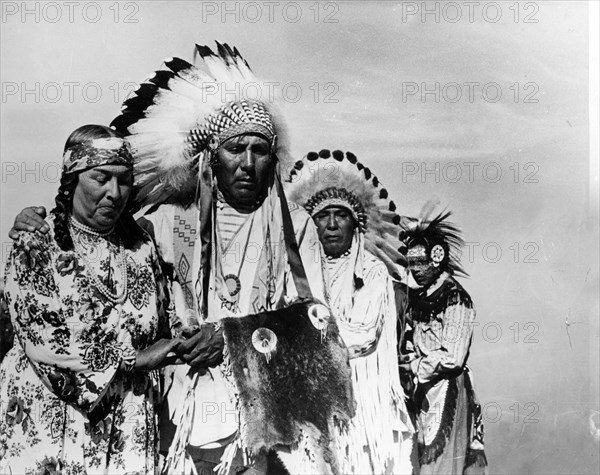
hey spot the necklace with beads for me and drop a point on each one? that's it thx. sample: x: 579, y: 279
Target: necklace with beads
x: 341, y: 256
x: 86, y: 229
x: 78, y: 230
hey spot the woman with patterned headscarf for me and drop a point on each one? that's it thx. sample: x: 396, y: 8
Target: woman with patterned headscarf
x: 89, y: 305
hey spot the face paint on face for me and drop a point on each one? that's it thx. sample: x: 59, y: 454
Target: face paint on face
x: 335, y: 227
x: 242, y: 169
x: 421, y: 266
x: 101, y: 195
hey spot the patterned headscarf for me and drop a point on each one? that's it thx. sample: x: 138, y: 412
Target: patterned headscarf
x: 95, y: 153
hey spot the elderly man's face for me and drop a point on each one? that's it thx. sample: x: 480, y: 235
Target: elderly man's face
x: 242, y: 169
x: 335, y: 227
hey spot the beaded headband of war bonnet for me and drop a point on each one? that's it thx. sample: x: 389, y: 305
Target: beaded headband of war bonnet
x: 333, y: 196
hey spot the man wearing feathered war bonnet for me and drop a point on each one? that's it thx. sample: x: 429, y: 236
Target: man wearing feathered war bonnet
x: 235, y: 251
x: 356, y: 223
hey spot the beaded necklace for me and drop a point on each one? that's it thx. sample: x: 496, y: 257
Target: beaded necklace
x: 82, y: 229
x: 341, y: 256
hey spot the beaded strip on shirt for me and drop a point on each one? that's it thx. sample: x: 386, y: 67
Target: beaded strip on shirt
x: 114, y: 298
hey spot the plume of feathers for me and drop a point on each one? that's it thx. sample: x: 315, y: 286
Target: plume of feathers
x: 162, y: 114
x: 432, y: 229
x: 324, y: 169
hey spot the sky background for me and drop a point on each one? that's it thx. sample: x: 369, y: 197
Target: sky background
x: 515, y: 169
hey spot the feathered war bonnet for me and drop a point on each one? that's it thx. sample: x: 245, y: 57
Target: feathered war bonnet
x: 441, y: 239
x: 336, y: 178
x: 178, y: 117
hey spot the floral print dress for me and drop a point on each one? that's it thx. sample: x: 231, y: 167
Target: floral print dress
x: 65, y: 405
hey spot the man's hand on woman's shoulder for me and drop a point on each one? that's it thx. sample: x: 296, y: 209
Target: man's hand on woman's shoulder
x: 30, y: 219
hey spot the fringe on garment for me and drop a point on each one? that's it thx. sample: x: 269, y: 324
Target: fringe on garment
x: 475, y: 458
x: 430, y: 453
x: 380, y: 410
x: 178, y: 460
x: 475, y: 451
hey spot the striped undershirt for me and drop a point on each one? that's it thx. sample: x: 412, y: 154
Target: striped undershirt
x: 229, y: 222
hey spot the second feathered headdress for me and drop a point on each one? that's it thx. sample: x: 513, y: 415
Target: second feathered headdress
x: 328, y: 178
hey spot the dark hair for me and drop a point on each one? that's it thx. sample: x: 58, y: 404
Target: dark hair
x: 126, y: 225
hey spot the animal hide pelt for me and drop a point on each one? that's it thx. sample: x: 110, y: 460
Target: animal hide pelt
x: 305, y: 382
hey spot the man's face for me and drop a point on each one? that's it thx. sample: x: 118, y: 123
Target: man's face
x: 421, y: 266
x: 242, y: 169
x: 335, y: 227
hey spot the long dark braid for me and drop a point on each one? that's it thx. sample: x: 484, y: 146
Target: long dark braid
x: 62, y: 210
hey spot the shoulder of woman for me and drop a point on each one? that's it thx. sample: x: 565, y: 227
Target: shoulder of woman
x: 27, y: 240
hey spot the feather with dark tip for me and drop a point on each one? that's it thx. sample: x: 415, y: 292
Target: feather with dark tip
x: 351, y: 158
x: 204, y: 51
x: 144, y: 90
x: 223, y: 52
x: 122, y: 122
x: 139, y: 102
x: 177, y: 64
x: 161, y: 78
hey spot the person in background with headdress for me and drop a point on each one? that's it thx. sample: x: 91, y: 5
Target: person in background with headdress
x: 353, y: 217
x: 91, y: 311
x: 441, y: 312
